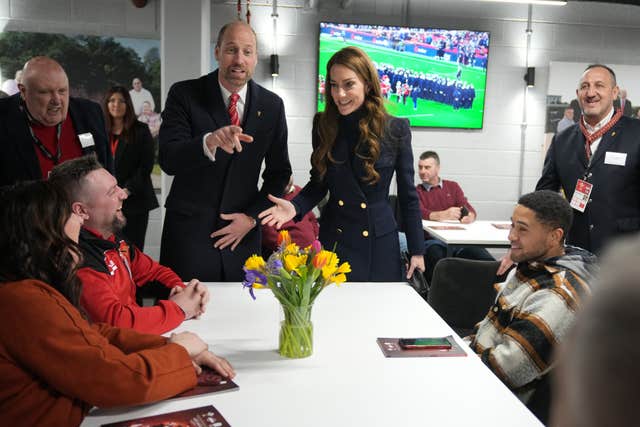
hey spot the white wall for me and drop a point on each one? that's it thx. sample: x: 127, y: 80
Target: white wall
x: 485, y: 162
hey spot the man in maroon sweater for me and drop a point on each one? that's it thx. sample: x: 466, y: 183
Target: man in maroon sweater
x: 443, y: 200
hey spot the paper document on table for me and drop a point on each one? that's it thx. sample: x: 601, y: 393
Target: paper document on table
x: 391, y: 348
x: 205, y: 416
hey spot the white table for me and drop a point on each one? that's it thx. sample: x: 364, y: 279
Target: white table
x: 347, y: 381
x: 478, y: 233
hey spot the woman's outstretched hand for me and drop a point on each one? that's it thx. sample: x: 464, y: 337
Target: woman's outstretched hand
x: 279, y: 214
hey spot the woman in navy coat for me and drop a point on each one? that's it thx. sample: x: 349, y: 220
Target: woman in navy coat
x: 133, y: 151
x: 357, y: 147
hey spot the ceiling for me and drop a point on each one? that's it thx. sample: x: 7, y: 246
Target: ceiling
x: 633, y: 2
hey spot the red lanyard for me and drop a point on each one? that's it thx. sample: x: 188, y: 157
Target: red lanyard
x: 589, y: 138
x: 114, y: 140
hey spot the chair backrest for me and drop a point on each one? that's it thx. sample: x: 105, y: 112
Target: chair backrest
x: 462, y: 290
x: 540, y: 402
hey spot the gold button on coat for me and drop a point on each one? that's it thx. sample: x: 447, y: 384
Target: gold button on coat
x: 363, y: 205
x: 365, y: 233
x: 340, y: 203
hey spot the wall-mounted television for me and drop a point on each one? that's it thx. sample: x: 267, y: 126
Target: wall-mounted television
x: 433, y: 77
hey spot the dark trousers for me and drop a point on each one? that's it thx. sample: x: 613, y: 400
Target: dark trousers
x: 435, y: 250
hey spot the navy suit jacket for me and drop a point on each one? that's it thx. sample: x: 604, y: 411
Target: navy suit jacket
x: 18, y: 158
x: 202, y: 189
x: 358, y: 216
x: 614, y: 206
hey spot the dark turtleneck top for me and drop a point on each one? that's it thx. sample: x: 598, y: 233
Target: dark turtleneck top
x: 349, y: 133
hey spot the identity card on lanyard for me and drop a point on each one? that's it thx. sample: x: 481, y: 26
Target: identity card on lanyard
x: 581, y: 195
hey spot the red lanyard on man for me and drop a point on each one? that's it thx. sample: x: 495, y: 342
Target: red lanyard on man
x: 589, y: 138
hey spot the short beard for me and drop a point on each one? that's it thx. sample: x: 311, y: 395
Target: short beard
x: 118, y: 224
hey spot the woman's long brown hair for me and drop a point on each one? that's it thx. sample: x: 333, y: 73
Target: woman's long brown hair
x: 33, y: 242
x: 129, y: 118
x: 371, y: 125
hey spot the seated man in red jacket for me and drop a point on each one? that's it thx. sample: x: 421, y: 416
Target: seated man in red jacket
x: 113, y: 268
x: 302, y: 233
x: 443, y: 200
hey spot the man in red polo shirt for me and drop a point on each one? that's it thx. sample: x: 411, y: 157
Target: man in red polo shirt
x: 41, y: 126
x: 443, y: 200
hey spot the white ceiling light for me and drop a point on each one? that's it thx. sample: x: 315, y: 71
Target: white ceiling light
x: 540, y: 2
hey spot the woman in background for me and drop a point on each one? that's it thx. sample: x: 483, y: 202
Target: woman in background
x: 54, y: 366
x: 357, y: 147
x: 133, y: 151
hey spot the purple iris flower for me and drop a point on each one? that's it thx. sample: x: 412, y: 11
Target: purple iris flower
x: 251, y: 277
x: 274, y: 265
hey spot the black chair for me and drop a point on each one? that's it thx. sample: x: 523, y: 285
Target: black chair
x: 540, y: 402
x: 462, y: 291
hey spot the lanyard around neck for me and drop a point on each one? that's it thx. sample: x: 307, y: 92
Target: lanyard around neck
x: 45, y: 152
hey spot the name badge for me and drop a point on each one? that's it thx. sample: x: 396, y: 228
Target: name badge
x: 613, y: 158
x: 86, y: 140
x: 581, y: 195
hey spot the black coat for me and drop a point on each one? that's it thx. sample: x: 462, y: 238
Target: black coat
x: 614, y: 206
x: 133, y: 164
x: 358, y: 216
x: 202, y: 189
x: 18, y: 158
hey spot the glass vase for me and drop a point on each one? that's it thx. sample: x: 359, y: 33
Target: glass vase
x: 296, y: 332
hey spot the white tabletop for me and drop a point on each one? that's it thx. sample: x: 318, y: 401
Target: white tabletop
x: 480, y: 233
x: 347, y: 381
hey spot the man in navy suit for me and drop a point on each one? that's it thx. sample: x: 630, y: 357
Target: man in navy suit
x: 216, y: 132
x: 597, y: 164
x: 41, y: 126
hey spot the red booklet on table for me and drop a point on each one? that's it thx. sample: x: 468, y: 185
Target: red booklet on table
x: 391, y: 348
x: 205, y: 416
x: 209, y: 382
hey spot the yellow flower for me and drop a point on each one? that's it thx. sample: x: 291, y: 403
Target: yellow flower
x: 339, y: 276
x: 291, y: 248
x: 293, y: 262
x: 331, y: 265
x: 255, y: 262
x: 257, y: 285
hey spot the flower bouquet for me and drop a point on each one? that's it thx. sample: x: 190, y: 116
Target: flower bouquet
x: 296, y: 276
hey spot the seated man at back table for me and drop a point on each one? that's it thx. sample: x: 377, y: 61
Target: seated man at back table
x: 443, y: 200
x: 537, y: 303
x: 112, y: 268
